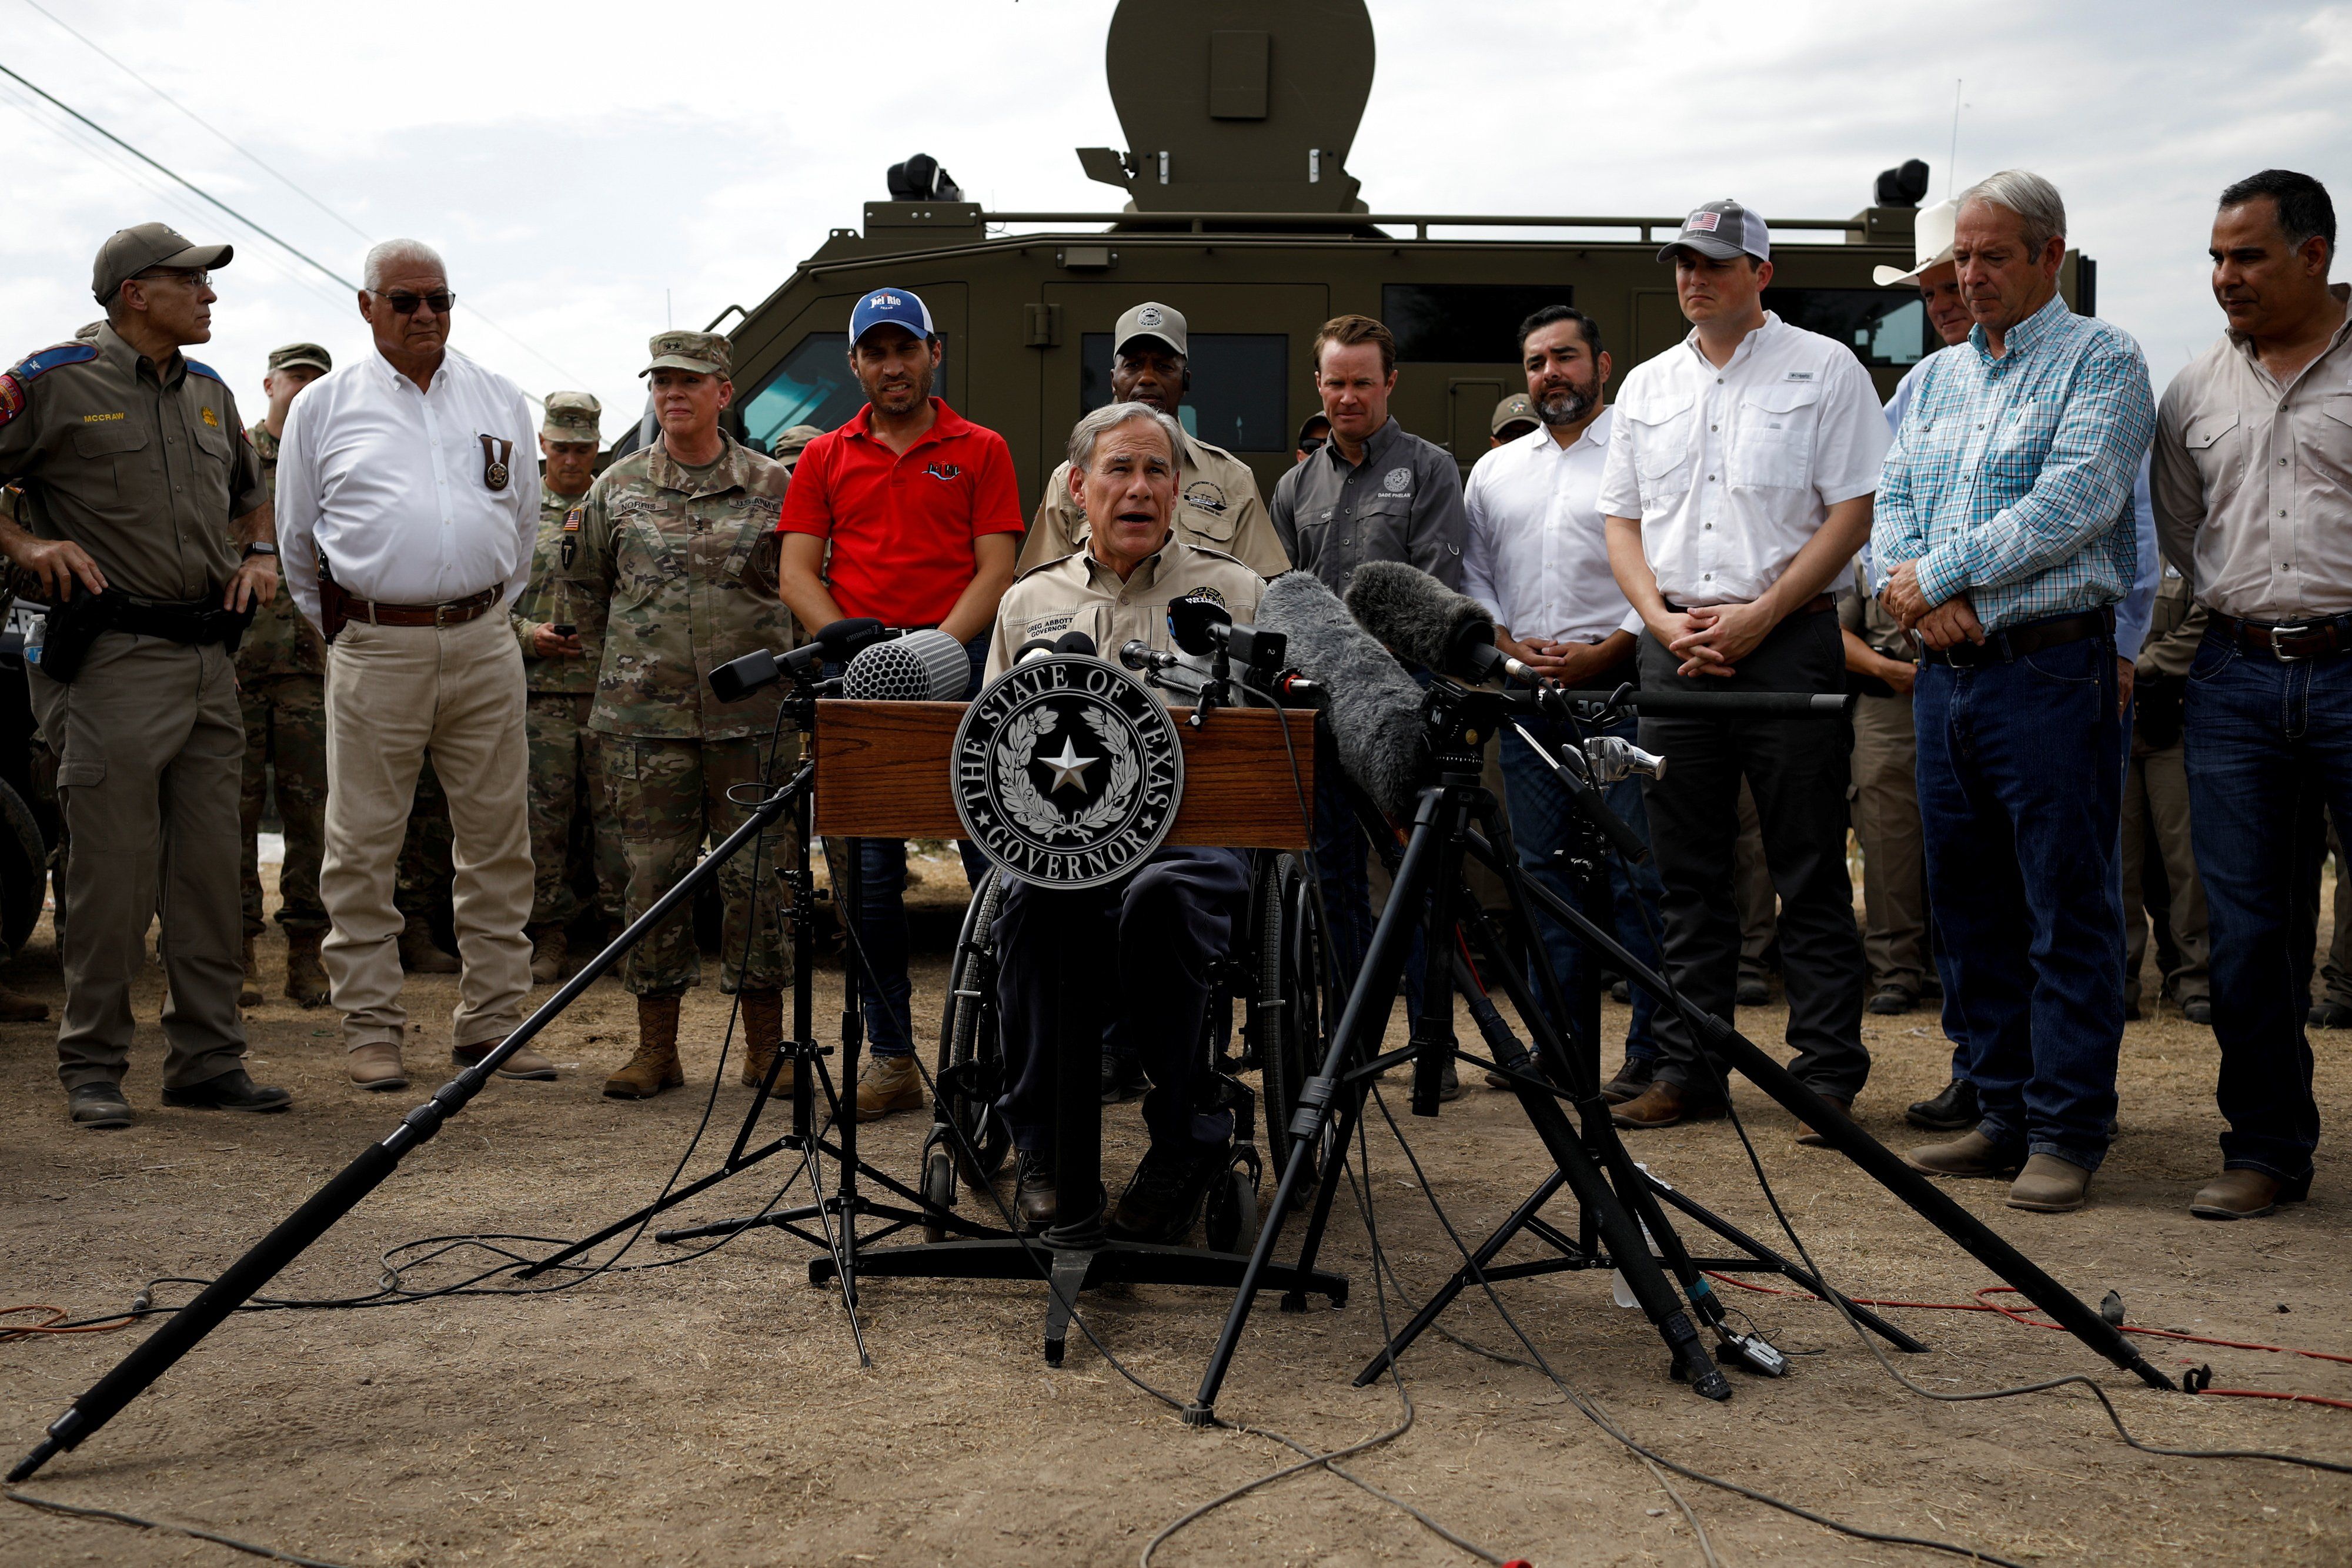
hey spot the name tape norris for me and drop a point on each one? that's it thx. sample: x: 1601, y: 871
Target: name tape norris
x: 1066, y: 771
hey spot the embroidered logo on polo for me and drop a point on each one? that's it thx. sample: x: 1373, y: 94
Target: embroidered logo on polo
x: 1397, y: 482
x: 1208, y: 497
x: 944, y: 470
x: 1067, y: 771
x: 1047, y: 626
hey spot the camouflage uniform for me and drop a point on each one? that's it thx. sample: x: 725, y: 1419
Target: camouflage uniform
x: 687, y: 561
x: 281, y: 679
x: 574, y: 842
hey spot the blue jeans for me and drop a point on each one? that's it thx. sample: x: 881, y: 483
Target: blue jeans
x: 881, y: 876
x: 2262, y: 739
x: 2020, y: 796
x: 1623, y: 900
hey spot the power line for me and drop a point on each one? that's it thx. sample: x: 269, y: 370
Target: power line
x: 57, y: 102
x: 255, y: 157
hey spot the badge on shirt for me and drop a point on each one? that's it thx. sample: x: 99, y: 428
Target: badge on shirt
x: 1209, y: 498
x: 1211, y: 594
x: 211, y: 419
x: 495, y: 454
x: 1397, y: 482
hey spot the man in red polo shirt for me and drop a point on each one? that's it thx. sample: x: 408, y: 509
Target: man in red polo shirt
x: 919, y: 506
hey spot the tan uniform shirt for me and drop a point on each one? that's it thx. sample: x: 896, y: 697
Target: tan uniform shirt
x: 144, y: 467
x: 1861, y: 614
x: 2252, y: 481
x: 2176, y: 626
x: 279, y: 642
x: 1217, y: 506
x: 552, y: 598
x: 1078, y: 594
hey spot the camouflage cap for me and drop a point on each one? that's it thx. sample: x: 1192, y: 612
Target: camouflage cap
x: 706, y: 354
x: 1516, y: 409
x: 573, y: 416
x: 302, y: 354
x: 788, y: 445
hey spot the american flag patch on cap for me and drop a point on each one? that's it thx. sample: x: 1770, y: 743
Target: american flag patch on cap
x: 1702, y: 221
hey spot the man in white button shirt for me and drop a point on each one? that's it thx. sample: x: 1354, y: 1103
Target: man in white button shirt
x: 1537, y: 555
x: 1738, y: 489
x: 408, y: 476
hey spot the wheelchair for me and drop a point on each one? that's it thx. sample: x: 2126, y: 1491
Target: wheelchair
x: 1274, y: 974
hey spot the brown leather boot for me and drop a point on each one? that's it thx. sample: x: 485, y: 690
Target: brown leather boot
x: 547, y: 950
x: 1663, y: 1105
x: 419, y: 954
x: 763, y: 1036
x: 654, y: 1067
x: 15, y: 1007
x: 248, y: 992
x: 305, y: 977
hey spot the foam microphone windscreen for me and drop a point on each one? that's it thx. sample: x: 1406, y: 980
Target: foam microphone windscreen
x: 1425, y: 622
x: 919, y: 667
x: 1374, y: 706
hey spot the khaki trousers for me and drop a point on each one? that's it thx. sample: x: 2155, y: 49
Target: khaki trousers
x: 150, y: 745
x: 2156, y: 802
x: 1893, y: 848
x: 393, y: 692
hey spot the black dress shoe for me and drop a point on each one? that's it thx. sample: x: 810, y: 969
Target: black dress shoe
x: 1035, y: 1200
x: 2197, y: 1009
x: 232, y: 1090
x: 1122, y: 1079
x: 1164, y: 1196
x: 2330, y: 1014
x: 1892, y: 999
x: 1753, y: 992
x: 1953, y: 1111
x: 99, y: 1104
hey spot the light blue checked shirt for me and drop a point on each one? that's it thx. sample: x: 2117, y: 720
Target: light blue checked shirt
x: 2012, y: 479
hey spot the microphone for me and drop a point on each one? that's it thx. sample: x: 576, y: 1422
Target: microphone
x: 1373, y: 705
x: 1425, y: 622
x: 1036, y: 648
x: 1194, y: 622
x: 837, y: 642
x: 1139, y: 655
x: 919, y: 667
x: 1076, y: 643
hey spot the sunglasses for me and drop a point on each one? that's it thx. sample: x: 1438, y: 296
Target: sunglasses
x: 406, y: 303
x: 1313, y: 444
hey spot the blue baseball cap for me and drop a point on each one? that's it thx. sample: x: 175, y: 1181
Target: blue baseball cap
x: 890, y: 307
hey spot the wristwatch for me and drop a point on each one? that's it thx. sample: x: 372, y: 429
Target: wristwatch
x: 257, y: 547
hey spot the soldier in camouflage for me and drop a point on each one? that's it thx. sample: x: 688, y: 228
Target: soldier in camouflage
x: 563, y: 637
x: 281, y: 682
x: 681, y: 537
x: 790, y: 442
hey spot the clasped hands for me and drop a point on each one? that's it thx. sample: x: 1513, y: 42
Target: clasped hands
x: 1938, y: 625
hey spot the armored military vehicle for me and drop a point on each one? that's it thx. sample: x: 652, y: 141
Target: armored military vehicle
x: 1241, y: 213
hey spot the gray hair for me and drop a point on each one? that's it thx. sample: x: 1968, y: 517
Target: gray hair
x: 1084, y: 435
x: 2041, y: 212
x: 384, y: 257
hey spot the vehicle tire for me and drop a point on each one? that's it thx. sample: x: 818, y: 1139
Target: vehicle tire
x: 968, y: 1035
x: 24, y: 870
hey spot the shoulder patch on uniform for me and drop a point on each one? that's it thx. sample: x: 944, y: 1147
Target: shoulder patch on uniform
x: 572, y: 519
x: 1044, y: 565
x: 51, y: 359
x: 11, y: 398
x: 206, y: 371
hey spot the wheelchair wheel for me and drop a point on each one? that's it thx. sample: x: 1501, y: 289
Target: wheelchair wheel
x: 1293, y: 1048
x: 939, y: 1191
x: 971, y: 1058
x: 1231, y: 1223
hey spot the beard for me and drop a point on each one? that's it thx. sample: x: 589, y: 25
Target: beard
x: 1568, y: 407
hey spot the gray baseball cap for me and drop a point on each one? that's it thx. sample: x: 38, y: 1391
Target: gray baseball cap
x: 1162, y: 322
x: 1721, y: 229
x: 1517, y: 409
x: 130, y: 252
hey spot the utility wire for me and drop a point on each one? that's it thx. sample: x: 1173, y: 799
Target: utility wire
x: 241, y: 148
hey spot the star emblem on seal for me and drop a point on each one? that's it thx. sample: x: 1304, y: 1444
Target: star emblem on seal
x: 1066, y: 771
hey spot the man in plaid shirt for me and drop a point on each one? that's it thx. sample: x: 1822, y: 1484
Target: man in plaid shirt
x: 2005, y: 525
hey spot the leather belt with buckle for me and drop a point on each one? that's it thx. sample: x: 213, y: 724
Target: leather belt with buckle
x: 2290, y: 643
x: 2017, y: 642
x: 454, y: 613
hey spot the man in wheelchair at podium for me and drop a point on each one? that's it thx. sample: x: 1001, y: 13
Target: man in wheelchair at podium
x: 1141, y: 949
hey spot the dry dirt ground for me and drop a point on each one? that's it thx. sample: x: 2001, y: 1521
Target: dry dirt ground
x: 715, y: 1413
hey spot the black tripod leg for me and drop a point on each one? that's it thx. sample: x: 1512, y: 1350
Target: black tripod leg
x: 1333, y: 1169
x: 1461, y: 1279
x: 660, y: 1205
x: 1784, y: 1266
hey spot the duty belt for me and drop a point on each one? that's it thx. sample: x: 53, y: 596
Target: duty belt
x: 2017, y: 641
x: 196, y: 621
x: 456, y: 612
x: 2290, y: 643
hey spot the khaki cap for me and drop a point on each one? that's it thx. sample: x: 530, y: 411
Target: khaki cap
x: 132, y: 251
x: 573, y: 416
x: 1150, y: 320
x: 1516, y: 409
x: 789, y: 442
x: 705, y: 353
x: 301, y: 354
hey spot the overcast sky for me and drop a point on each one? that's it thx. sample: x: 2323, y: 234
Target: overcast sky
x: 591, y: 180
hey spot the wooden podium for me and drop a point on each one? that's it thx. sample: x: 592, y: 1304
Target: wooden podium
x: 883, y: 771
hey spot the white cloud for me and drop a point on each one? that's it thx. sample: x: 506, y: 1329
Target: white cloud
x: 574, y: 171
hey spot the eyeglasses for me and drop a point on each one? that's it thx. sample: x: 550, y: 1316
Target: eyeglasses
x: 406, y: 303
x: 192, y: 279
x: 1313, y: 443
